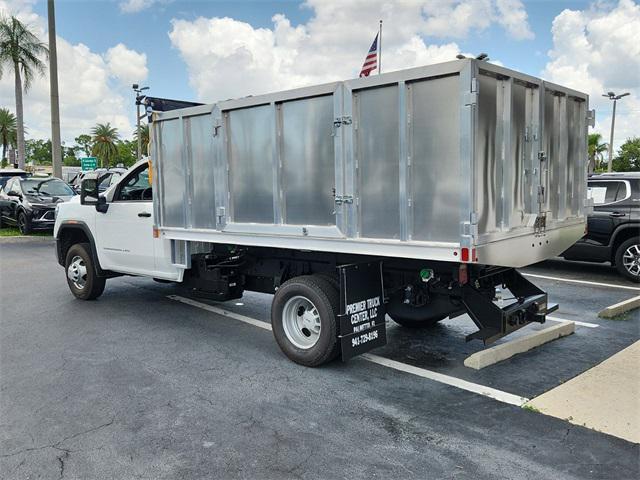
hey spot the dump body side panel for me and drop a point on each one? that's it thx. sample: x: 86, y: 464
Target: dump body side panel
x: 420, y: 163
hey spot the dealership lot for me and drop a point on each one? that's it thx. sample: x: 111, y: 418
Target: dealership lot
x: 139, y: 385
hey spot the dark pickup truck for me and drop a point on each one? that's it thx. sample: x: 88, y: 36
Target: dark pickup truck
x: 613, y: 229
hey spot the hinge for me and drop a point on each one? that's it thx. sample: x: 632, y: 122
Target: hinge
x: 471, y: 97
x: 344, y: 120
x: 470, y: 228
x: 340, y: 199
x: 339, y: 121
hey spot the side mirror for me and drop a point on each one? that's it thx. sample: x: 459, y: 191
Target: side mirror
x: 90, y: 195
x: 89, y: 191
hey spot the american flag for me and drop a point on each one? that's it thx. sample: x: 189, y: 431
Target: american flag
x: 371, y: 62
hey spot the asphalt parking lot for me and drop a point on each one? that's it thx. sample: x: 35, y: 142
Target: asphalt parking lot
x: 137, y: 385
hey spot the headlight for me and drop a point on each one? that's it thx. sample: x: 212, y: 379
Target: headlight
x: 57, y: 208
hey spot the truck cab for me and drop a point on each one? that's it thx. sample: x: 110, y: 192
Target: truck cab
x: 117, y: 226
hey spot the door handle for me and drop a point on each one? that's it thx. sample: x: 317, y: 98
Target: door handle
x: 144, y: 214
x: 617, y: 214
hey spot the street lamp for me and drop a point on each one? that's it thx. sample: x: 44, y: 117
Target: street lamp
x: 483, y: 57
x: 615, y: 98
x: 139, y: 99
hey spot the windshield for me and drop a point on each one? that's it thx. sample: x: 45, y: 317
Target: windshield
x: 53, y: 188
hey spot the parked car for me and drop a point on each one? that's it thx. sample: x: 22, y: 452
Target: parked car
x: 7, y: 173
x: 29, y: 203
x: 613, y: 229
x: 109, y: 177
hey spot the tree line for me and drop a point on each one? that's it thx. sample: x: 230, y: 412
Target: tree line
x: 103, y: 142
x: 627, y: 159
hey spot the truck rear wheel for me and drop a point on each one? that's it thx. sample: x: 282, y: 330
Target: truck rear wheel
x: 412, y: 323
x: 304, y: 320
x: 82, y: 278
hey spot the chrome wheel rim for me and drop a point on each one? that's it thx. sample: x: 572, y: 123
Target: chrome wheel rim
x: 21, y: 223
x: 301, y: 322
x: 631, y: 260
x: 77, y: 272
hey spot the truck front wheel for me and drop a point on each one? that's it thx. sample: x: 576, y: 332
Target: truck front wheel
x: 303, y: 318
x: 82, y: 278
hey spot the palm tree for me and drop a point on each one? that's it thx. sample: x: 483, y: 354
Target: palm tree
x: 596, y: 150
x: 21, y: 49
x: 104, y: 143
x: 7, y: 130
x: 144, y: 136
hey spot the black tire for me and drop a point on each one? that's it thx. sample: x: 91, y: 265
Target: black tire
x: 93, y: 284
x: 332, y: 278
x: 325, y: 298
x: 411, y: 323
x: 629, y: 271
x: 24, y: 223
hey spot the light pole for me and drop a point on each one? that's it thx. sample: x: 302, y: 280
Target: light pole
x: 139, y: 98
x: 56, y: 147
x: 615, y: 98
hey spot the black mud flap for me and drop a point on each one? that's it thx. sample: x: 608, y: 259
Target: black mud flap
x: 362, y: 309
x: 494, y: 322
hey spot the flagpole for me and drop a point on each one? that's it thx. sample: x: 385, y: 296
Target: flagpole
x: 380, y: 49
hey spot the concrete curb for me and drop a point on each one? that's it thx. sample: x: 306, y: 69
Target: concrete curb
x: 25, y: 239
x: 496, y: 354
x: 620, y: 308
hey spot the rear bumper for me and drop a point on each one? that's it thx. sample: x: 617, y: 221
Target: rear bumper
x: 493, y: 322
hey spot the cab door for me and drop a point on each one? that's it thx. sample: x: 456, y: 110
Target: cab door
x: 125, y: 241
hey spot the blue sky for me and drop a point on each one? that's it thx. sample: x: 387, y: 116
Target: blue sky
x: 101, y: 24
x: 211, y: 50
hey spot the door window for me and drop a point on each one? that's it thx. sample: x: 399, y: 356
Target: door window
x: 604, y: 193
x: 135, y: 187
x: 15, y: 187
x: 7, y: 185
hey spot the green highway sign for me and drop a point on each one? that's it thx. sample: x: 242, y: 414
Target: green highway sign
x: 89, y: 163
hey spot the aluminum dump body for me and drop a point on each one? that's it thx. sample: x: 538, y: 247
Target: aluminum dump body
x: 459, y: 161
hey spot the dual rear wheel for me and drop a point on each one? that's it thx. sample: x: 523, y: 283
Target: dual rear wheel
x: 304, y: 319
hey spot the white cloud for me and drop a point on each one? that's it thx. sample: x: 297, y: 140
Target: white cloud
x: 91, y: 85
x: 513, y: 17
x: 229, y: 58
x: 127, y: 65
x: 135, y: 6
x: 595, y: 51
x: 457, y: 18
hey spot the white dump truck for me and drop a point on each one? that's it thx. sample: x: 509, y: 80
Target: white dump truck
x: 414, y: 194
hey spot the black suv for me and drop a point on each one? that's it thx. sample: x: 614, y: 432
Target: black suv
x: 29, y: 203
x: 613, y: 229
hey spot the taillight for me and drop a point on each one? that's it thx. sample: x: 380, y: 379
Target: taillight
x: 468, y: 255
